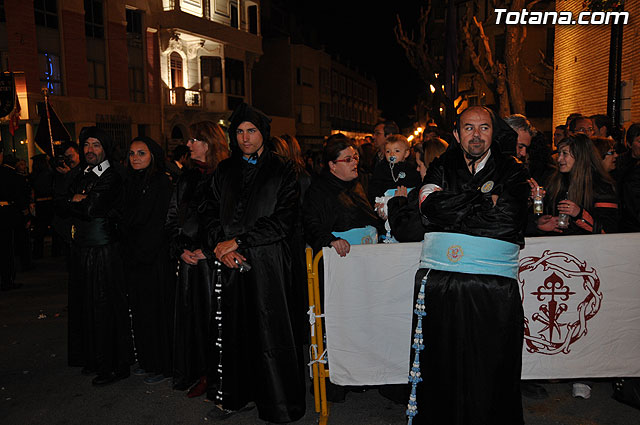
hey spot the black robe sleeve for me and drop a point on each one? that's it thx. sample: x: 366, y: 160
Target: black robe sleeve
x: 277, y: 226
x: 318, y: 217
x: 404, y: 217
x: 463, y: 207
x: 144, y: 236
x: 102, y: 195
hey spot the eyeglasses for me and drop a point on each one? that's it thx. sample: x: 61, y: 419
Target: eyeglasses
x: 193, y: 140
x: 609, y: 153
x: 585, y: 130
x: 348, y: 159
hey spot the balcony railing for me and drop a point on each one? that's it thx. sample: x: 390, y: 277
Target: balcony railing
x: 182, y: 97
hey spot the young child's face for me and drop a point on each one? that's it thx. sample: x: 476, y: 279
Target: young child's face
x: 396, y: 152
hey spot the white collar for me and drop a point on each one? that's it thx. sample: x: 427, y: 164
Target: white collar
x: 480, y: 165
x: 98, y: 169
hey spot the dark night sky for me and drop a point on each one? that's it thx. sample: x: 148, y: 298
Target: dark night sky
x: 362, y: 31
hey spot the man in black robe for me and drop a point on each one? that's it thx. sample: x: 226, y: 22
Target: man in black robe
x: 251, y: 214
x: 473, y: 326
x: 97, y: 294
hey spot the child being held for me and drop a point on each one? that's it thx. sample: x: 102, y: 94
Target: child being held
x: 392, y: 174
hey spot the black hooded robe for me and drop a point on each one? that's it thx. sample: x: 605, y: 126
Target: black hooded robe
x: 97, y: 290
x: 145, y: 253
x: 474, y: 324
x: 260, y: 358
x: 192, y: 341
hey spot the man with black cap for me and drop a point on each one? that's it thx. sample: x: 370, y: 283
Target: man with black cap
x: 468, y: 327
x: 250, y: 219
x: 99, y: 326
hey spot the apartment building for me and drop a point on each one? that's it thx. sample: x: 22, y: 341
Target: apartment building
x: 132, y: 67
x: 321, y: 94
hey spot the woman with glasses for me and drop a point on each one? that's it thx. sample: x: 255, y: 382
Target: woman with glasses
x: 336, y: 212
x: 194, y: 293
x: 580, y: 195
x: 336, y: 203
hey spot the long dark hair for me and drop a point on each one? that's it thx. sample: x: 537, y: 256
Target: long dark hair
x: 586, y: 169
x: 295, y: 153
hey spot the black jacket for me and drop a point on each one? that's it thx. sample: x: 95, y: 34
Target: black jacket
x: 383, y: 178
x: 465, y: 204
x: 404, y: 217
x: 94, y: 218
x: 333, y: 205
x: 184, y: 225
x: 144, y: 213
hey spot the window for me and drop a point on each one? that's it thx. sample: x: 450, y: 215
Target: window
x: 97, y: 80
x: 4, y: 61
x: 175, y: 66
x: 118, y: 127
x: 49, y: 68
x: 324, y: 114
x: 93, y: 19
x: 252, y: 12
x: 193, y: 7
x: 325, y: 85
x: 235, y: 77
x: 136, y: 84
x: 304, y: 76
x: 135, y: 55
x: 134, y: 22
x: 211, y: 74
x: 234, y: 15
x: 46, y: 13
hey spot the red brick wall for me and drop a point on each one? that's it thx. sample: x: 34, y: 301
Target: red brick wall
x: 153, y: 68
x: 75, y: 54
x: 23, y: 45
x: 118, y: 65
x: 582, y: 64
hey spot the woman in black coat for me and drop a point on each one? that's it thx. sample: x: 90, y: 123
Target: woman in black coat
x: 336, y: 201
x: 194, y: 291
x: 145, y: 256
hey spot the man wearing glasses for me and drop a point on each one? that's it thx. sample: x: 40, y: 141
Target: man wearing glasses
x: 582, y: 125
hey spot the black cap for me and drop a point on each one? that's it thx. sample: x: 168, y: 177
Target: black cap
x: 248, y: 113
x: 96, y: 133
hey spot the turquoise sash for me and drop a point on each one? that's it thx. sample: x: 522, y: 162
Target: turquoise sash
x: 456, y: 252
x: 359, y: 236
x: 392, y: 192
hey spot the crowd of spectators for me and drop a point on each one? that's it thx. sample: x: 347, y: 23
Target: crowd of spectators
x: 351, y: 192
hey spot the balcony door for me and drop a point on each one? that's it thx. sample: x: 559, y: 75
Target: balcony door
x: 176, y: 70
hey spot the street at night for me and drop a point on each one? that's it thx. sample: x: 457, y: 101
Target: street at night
x: 37, y: 387
x: 426, y: 212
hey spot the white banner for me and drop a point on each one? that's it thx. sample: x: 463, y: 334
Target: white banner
x: 581, y: 297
